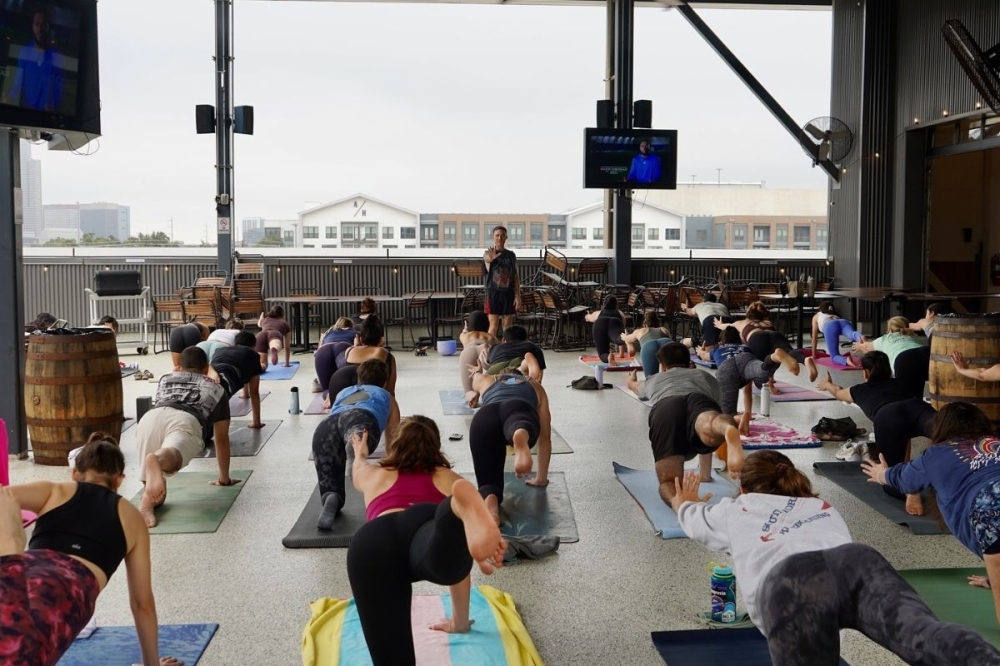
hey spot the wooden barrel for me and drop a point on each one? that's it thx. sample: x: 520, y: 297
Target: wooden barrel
x: 73, y: 387
x: 977, y: 336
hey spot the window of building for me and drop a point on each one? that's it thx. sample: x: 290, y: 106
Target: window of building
x: 653, y: 234
x: 801, y: 235
x: 638, y: 246
x: 579, y: 234
x: 761, y: 235
x: 450, y: 232
x: 599, y: 233
x: 821, y: 238
x: 674, y: 234
x: 740, y: 235
x: 638, y: 233
x: 408, y: 233
x: 517, y: 233
x: 409, y: 247
x: 700, y: 235
x: 470, y: 233
x: 331, y: 232
x: 310, y: 232
x: 309, y: 246
x: 329, y: 245
x: 556, y: 234
x: 536, y: 232
x: 288, y: 237
x: 781, y: 236
x: 388, y: 233
x: 371, y: 232
x: 429, y: 233
x: 390, y: 247
x: 347, y: 233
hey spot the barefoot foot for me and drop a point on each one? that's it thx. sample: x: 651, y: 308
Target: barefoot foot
x: 12, y: 537
x: 156, y: 485
x: 787, y: 360
x: 745, y: 423
x: 813, y: 370
x: 481, y: 532
x: 914, y: 505
x: 522, y: 454
x: 493, y: 506
x: 146, y: 510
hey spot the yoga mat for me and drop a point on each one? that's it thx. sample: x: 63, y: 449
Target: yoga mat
x: 240, y: 407
x: 316, y: 406
x: 768, y: 434
x: 128, y: 371
x: 623, y: 387
x: 280, y: 371
x: 952, y: 599
x: 244, y: 441
x: 119, y: 646
x: 530, y: 511
x: 705, y: 647
x: 305, y: 535
x: 644, y: 488
x: 27, y: 518
x: 705, y: 364
x: 193, y: 504
x: 128, y: 423
x: 848, y: 475
x: 559, y: 444
x: 498, y: 637
x: 827, y: 362
x: 453, y: 403
x: 624, y: 364
x: 795, y: 393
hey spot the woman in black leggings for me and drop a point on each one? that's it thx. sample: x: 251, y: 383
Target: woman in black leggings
x: 609, y: 324
x: 436, y: 539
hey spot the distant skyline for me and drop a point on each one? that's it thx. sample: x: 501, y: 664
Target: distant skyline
x: 437, y: 108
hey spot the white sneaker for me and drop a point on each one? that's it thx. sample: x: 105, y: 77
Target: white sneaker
x: 316, y: 388
x: 848, y: 452
x: 862, y: 450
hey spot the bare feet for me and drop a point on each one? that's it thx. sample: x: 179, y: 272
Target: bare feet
x: 979, y: 581
x: 274, y: 356
x: 744, y: 424
x: 481, y: 532
x: 522, y: 454
x: 914, y: 505
x: 156, y: 484
x: 12, y: 537
x: 787, y: 360
x: 449, y: 626
x: 170, y: 661
x: 813, y: 370
x: 849, y: 361
x: 146, y: 510
x: 493, y: 506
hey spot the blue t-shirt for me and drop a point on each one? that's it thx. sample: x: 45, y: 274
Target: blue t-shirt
x: 957, y: 471
x: 725, y: 352
x: 645, y: 169
x: 340, y: 335
x: 37, y: 81
x: 374, y: 399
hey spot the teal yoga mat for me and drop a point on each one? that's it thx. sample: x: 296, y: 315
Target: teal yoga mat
x: 119, y: 646
x: 280, y: 371
x: 453, y: 403
x: 529, y: 511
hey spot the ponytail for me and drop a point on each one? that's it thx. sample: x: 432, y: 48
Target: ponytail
x: 770, y: 472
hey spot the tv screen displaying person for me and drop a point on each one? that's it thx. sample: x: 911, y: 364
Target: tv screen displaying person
x: 42, y: 57
x: 646, y: 166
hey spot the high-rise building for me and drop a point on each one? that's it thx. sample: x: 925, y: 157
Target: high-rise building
x: 31, y: 197
x: 105, y: 220
x: 61, y: 221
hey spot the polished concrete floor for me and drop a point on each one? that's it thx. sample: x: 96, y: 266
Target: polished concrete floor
x: 595, y: 602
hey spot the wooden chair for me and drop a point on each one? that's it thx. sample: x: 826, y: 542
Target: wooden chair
x: 566, y: 327
x: 553, y: 270
x: 203, y: 311
x: 415, y: 311
x: 169, y: 313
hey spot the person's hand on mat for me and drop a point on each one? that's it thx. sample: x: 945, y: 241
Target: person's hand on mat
x: 875, y: 470
x: 449, y: 626
x: 360, y: 444
x: 979, y: 581
x: 256, y: 426
x: 473, y: 399
x: 287, y: 365
x: 686, y: 490
x: 225, y: 482
x: 959, y: 360
x: 167, y: 661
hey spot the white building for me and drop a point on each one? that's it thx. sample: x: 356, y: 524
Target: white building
x: 61, y: 221
x: 358, y: 221
x: 653, y: 227
x: 255, y: 229
x: 31, y: 197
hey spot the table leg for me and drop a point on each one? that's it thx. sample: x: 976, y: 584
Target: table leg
x: 799, y: 299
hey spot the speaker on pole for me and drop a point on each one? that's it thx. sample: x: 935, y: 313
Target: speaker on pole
x: 243, y: 120
x: 605, y: 114
x: 642, y: 113
x: 204, y: 118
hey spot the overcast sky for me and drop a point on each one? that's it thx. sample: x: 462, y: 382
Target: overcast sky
x: 437, y: 108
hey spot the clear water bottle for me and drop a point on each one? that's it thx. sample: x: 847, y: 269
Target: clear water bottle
x: 765, y: 399
x: 293, y: 405
x: 723, y: 586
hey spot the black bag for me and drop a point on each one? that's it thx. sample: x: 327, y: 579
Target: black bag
x: 837, y: 430
x: 118, y: 283
x: 588, y: 383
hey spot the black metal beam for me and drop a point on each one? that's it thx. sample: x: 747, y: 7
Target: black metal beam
x: 624, y: 58
x: 756, y: 87
x: 12, y: 295
x: 224, y: 132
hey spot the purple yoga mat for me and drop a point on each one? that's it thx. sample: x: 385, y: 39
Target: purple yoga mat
x: 316, y: 406
x: 794, y: 393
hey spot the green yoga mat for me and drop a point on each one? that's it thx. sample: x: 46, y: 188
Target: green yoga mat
x: 952, y: 599
x: 193, y: 504
x: 559, y: 444
x: 531, y: 511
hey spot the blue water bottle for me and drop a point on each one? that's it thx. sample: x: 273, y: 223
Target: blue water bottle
x: 723, y: 584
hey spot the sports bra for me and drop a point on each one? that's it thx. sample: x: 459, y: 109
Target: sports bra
x: 754, y: 326
x: 86, y: 526
x: 509, y: 387
x: 410, y: 488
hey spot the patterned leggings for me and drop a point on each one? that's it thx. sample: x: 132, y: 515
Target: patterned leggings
x: 734, y: 373
x: 808, y: 598
x: 46, y: 598
x: 332, y: 441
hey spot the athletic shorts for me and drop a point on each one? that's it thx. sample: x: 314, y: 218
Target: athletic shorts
x: 499, y: 303
x: 183, y: 337
x: 168, y: 428
x: 264, y: 340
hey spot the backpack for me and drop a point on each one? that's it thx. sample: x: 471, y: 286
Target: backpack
x: 587, y: 383
x: 837, y: 430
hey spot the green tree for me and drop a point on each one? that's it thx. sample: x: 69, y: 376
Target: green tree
x: 155, y: 239
x: 61, y: 242
x: 269, y: 241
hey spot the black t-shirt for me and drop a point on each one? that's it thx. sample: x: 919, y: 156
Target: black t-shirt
x: 671, y: 425
x: 508, y: 351
x: 873, y: 396
x: 236, y: 366
x: 503, y: 271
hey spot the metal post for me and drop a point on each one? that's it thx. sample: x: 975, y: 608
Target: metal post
x: 12, y: 295
x: 224, y: 131
x: 624, y: 38
x: 609, y: 94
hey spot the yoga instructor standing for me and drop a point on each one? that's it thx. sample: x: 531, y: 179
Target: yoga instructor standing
x: 503, y: 286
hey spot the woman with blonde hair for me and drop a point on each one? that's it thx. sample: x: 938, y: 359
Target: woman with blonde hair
x: 757, y: 332
x: 900, y: 338
x: 425, y: 522
x: 341, y: 331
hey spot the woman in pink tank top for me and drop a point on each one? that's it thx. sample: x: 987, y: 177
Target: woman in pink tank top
x: 425, y: 522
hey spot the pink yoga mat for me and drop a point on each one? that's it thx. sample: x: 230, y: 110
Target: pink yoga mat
x: 768, y: 434
x: 823, y: 358
x: 625, y: 364
x: 795, y: 393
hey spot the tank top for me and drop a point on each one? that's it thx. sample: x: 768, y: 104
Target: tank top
x: 822, y: 318
x: 652, y: 334
x: 410, y: 488
x: 86, y: 526
x: 509, y: 387
x: 754, y: 326
x: 373, y: 399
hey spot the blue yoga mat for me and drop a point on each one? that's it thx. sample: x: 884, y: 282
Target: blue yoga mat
x: 703, y: 363
x: 280, y: 371
x: 709, y: 647
x: 644, y: 488
x: 453, y: 403
x: 119, y: 646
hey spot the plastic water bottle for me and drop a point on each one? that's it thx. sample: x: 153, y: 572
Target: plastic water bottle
x: 293, y: 406
x: 765, y: 400
x: 723, y: 584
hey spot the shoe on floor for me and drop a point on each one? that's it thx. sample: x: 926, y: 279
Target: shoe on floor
x: 848, y: 452
x: 316, y: 387
x: 862, y: 450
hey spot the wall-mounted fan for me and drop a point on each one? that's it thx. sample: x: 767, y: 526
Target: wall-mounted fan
x: 982, y: 67
x: 831, y: 136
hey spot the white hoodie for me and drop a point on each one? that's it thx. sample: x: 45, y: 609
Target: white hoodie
x: 759, y: 531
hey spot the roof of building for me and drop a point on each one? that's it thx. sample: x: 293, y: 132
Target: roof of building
x: 599, y: 204
x: 697, y: 4
x: 358, y: 195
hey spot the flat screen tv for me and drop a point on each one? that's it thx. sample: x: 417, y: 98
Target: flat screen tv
x: 48, y: 65
x: 635, y: 159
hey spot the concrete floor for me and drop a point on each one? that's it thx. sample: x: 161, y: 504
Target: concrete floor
x: 594, y: 603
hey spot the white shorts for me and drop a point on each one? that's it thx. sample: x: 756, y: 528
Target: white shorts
x: 168, y: 428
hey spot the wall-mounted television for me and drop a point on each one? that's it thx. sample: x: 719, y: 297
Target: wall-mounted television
x: 49, y: 78
x: 636, y: 159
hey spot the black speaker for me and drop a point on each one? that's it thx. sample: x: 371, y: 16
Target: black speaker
x: 642, y: 113
x: 243, y: 120
x: 118, y: 283
x: 204, y: 118
x: 605, y: 114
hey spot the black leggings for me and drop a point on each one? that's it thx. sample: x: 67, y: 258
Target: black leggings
x: 326, y: 364
x: 388, y: 555
x: 895, y: 425
x: 912, y: 369
x: 809, y: 597
x: 331, y: 442
x: 492, y: 429
x: 765, y: 342
x: 607, y: 330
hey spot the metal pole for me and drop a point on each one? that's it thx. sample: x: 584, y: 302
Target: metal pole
x: 609, y: 94
x: 624, y: 26
x: 12, y: 295
x: 224, y: 131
